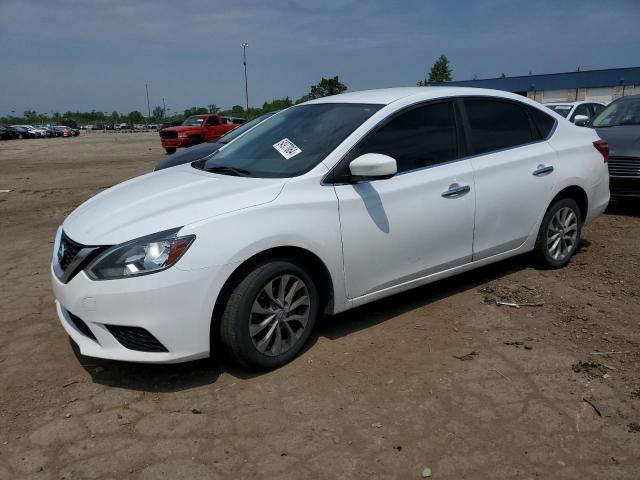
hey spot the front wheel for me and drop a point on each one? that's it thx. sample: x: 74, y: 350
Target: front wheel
x: 559, y: 234
x: 170, y: 150
x: 269, y: 315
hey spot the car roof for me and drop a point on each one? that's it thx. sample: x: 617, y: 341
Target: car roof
x: 386, y: 96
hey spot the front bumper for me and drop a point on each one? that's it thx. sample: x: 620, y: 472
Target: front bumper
x: 624, y: 186
x: 174, y: 142
x: 175, y: 306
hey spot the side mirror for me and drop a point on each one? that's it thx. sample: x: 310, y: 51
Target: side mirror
x: 580, y: 120
x: 373, y: 166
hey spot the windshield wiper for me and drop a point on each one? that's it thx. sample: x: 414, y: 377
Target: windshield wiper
x: 224, y: 170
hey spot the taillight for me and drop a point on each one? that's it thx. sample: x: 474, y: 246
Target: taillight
x: 603, y: 147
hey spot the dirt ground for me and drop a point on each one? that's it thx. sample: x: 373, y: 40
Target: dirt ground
x: 440, y: 377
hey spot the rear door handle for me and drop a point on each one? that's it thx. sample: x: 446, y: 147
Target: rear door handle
x: 543, y: 170
x: 456, y: 190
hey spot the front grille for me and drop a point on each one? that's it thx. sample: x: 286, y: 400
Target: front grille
x: 136, y: 338
x: 69, y: 250
x: 168, y: 134
x: 80, y: 325
x: 624, y: 166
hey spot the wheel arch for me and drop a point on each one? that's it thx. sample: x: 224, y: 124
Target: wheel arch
x: 302, y: 256
x: 576, y: 193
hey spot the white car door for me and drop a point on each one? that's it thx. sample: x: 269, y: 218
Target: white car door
x: 514, y: 173
x: 421, y: 220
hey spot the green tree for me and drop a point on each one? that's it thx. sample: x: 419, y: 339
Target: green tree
x: 158, y: 114
x: 213, y: 108
x: 502, y: 75
x: 30, y: 116
x: 135, y: 117
x: 276, y: 104
x: 440, y: 72
x: 326, y: 87
x: 195, y: 111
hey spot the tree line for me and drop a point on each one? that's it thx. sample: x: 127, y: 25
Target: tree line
x: 441, y: 71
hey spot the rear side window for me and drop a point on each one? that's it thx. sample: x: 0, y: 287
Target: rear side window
x: 212, y: 121
x: 421, y: 137
x: 543, y: 122
x: 496, y: 125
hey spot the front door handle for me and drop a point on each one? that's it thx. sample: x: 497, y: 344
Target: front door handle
x: 456, y: 190
x: 543, y: 170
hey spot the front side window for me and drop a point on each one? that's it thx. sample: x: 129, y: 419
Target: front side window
x: 582, y: 109
x: 495, y: 125
x: 291, y: 143
x: 421, y: 137
x: 212, y: 121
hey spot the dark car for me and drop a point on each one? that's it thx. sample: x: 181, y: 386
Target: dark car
x: 619, y: 125
x: 24, y: 132
x: 202, y: 150
x: 8, y: 133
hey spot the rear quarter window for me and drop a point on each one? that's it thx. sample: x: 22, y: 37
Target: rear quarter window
x: 543, y: 122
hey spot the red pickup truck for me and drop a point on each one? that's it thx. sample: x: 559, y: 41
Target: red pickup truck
x: 197, y: 129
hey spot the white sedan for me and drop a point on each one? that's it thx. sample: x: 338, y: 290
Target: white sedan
x: 576, y: 112
x: 323, y: 207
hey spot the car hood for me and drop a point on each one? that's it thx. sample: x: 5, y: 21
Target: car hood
x: 163, y: 200
x: 183, y: 128
x: 624, y: 140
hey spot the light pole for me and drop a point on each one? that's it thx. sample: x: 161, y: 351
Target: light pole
x: 246, y: 84
x: 146, y: 86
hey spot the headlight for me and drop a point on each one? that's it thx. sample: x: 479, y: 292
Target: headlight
x: 141, y: 256
x: 183, y: 135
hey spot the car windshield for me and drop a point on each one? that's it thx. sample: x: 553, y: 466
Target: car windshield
x: 560, y: 109
x: 290, y: 143
x: 236, y: 132
x: 624, y: 112
x: 193, y: 121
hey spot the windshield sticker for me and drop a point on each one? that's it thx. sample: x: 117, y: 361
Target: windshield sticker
x: 287, y: 148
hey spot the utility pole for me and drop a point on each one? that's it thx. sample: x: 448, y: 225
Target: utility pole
x: 246, y: 84
x: 146, y: 86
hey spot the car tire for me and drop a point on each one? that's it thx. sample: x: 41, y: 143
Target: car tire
x: 263, y: 331
x: 559, y: 235
x: 170, y: 150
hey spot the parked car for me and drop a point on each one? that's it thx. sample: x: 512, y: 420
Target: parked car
x: 8, y: 133
x: 198, y: 152
x: 24, y: 132
x: 197, y: 129
x: 619, y: 124
x: 33, y: 131
x: 55, y: 131
x: 66, y: 131
x: 576, y: 112
x: 331, y: 204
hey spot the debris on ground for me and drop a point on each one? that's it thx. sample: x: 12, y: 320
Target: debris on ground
x: 196, y: 411
x: 426, y: 473
x: 6, y: 191
x: 468, y: 356
x: 636, y: 393
x: 518, y: 305
x: 592, y: 369
x: 376, y: 425
x: 597, y: 407
x: 634, y: 427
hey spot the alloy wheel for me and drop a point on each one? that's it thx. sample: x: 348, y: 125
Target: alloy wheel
x: 279, y: 315
x: 562, y: 234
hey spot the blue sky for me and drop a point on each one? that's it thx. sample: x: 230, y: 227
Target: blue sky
x: 98, y: 54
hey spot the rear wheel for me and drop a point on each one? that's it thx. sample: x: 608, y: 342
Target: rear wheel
x: 559, y: 234
x: 269, y: 315
x: 170, y: 150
